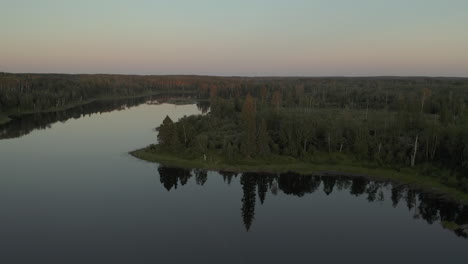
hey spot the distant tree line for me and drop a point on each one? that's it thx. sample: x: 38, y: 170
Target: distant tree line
x: 25, y: 124
x: 42, y: 92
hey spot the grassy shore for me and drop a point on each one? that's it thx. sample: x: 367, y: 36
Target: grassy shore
x: 4, y: 119
x: 320, y: 166
x: 181, y: 101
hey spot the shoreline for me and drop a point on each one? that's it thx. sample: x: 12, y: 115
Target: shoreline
x: 5, y: 117
x: 407, y: 177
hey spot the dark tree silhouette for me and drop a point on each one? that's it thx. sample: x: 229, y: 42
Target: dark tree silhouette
x: 295, y: 184
x: 262, y: 185
x: 227, y: 176
x: 397, y: 194
x: 201, y: 176
x: 328, y: 184
x: 372, y: 190
x: 358, y: 186
x: 249, y: 184
x: 170, y: 177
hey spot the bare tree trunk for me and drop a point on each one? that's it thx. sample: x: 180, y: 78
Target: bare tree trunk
x: 201, y: 148
x: 413, y: 157
x: 427, y: 149
x: 434, y: 147
x: 185, y: 136
x: 367, y: 109
x: 422, y: 103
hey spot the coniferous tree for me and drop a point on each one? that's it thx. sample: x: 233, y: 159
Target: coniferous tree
x: 166, y: 132
x: 249, y: 127
x: 263, y: 140
x: 175, y: 143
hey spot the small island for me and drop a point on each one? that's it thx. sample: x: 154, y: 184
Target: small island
x: 399, y: 139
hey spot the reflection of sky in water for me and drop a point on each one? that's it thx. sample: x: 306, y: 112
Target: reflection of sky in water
x: 72, y: 194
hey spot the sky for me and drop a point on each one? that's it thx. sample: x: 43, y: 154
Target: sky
x: 242, y: 37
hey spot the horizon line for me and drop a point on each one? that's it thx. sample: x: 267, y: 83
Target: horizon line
x: 240, y: 76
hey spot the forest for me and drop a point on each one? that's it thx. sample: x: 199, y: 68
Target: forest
x: 32, y: 93
x: 26, y: 123
x: 392, y: 123
x: 384, y: 122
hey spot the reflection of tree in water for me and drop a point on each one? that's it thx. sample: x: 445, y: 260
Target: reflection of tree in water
x: 169, y: 177
x: 410, y: 198
x: 343, y: 184
x: 201, y: 176
x: 372, y: 190
x: 425, y: 206
x: 358, y: 186
x: 328, y: 184
x: 397, y: 194
x: 429, y: 209
x: 203, y: 106
x: 249, y: 184
x: 25, y: 124
x: 292, y: 183
x: 262, y: 185
x: 227, y: 176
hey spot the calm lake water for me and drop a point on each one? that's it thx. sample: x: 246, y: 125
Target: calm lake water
x: 70, y: 193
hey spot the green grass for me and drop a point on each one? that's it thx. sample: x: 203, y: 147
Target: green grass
x: 181, y: 101
x: 450, y: 225
x: 320, y: 163
x: 4, y: 119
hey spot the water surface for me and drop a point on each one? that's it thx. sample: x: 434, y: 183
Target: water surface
x: 70, y: 193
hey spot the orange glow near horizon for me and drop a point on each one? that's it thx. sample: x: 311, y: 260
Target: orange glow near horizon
x: 302, y: 38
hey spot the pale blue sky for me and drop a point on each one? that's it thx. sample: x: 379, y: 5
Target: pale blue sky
x: 256, y: 37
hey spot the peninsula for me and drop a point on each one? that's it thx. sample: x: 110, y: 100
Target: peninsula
x: 406, y: 130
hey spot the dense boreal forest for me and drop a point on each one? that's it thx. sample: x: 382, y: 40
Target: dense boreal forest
x: 396, y: 123
x: 388, y: 122
x: 20, y: 93
x: 28, y: 93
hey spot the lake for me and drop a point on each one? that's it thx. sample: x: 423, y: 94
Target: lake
x: 71, y: 193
